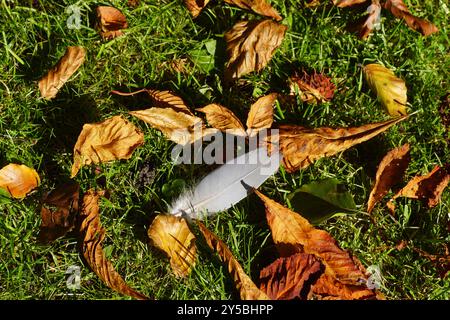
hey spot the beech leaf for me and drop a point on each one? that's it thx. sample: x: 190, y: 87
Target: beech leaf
x: 195, y: 6
x: 347, y: 3
x: 18, y: 180
x: 223, y: 119
x: 261, y: 7
x: 111, y: 21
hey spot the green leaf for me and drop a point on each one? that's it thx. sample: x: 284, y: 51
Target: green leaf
x: 321, y: 200
x: 204, y: 55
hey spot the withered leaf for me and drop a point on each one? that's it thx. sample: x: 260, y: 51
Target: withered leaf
x: 172, y: 235
x: 373, y: 18
x: 250, y: 46
x: 195, y: 6
x: 247, y: 289
x: 301, y: 147
x: 56, y: 77
x: 223, y: 119
x: 112, y: 139
x: 261, y: 7
x: 111, y: 21
x: 315, y: 88
x: 427, y: 188
x: 260, y: 115
x: 400, y: 10
x: 347, y: 3
x: 328, y: 288
x: 390, y: 90
x: 92, y: 235
x: 18, y: 180
x: 57, y: 222
x: 390, y: 171
x: 290, y: 277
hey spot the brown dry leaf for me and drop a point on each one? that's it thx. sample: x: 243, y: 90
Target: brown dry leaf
x: 250, y: 46
x: 111, y: 21
x: 56, y: 77
x: 57, y: 222
x: 92, y: 235
x: 112, y: 139
x: 391, y: 91
x: 247, y: 289
x: 260, y: 115
x: 315, y: 88
x: 133, y: 3
x: 291, y: 277
x: 373, y: 18
x: 347, y: 3
x: 172, y: 235
x: 328, y: 288
x: 427, y: 188
x: 18, y: 180
x: 301, y: 147
x: 400, y: 10
x: 195, y: 6
x: 223, y: 119
x: 261, y: 7
x: 390, y: 171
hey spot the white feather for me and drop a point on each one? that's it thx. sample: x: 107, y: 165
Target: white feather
x: 228, y: 184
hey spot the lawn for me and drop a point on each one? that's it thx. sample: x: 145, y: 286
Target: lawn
x: 41, y: 134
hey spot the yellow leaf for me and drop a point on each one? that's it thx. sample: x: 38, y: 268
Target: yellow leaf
x: 18, y: 180
x: 260, y: 115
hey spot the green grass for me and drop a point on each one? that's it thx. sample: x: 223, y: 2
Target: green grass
x: 42, y: 134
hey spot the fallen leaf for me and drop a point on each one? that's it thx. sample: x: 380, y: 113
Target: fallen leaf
x: 291, y: 277
x: 373, y: 19
x: 399, y: 9
x: 390, y: 171
x: 293, y: 234
x: 260, y: 115
x: 321, y: 200
x: 250, y: 46
x: 111, y: 21
x: 18, y: 180
x: 56, y: 77
x: 223, y: 119
x: 59, y: 221
x: 391, y: 91
x: 133, y: 3
x: 247, y: 289
x: 315, y: 88
x: 427, y: 188
x: 112, y: 139
x: 261, y: 7
x: 195, y: 6
x: 172, y: 235
x: 347, y: 3
x: 92, y: 235
x: 301, y: 147
x: 328, y: 288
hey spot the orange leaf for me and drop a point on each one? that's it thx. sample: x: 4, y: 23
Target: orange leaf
x: 258, y: 6
x: 247, y: 289
x: 195, y: 6
x: 260, y: 115
x: 18, y: 180
x: 251, y: 45
x: 92, y: 235
x: 56, y: 77
x: 172, y: 235
x: 223, y: 119
x: 291, y: 277
x: 111, y: 21
x: 112, y: 139
x: 390, y: 171
x: 301, y: 147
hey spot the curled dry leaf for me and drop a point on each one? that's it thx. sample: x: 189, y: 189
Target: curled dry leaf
x: 247, y: 289
x: 111, y: 21
x: 301, y: 147
x: 390, y: 171
x: 315, y: 88
x: 223, y: 119
x: 92, y: 235
x: 57, y: 222
x: 293, y: 234
x: 400, y: 10
x: 291, y: 277
x: 427, y: 188
x: 195, y: 6
x: 347, y: 3
x: 261, y: 7
x: 373, y: 19
x: 56, y: 77
x: 260, y: 115
x: 250, y: 46
x: 172, y: 235
x: 112, y: 139
x: 18, y: 180
x: 391, y: 91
